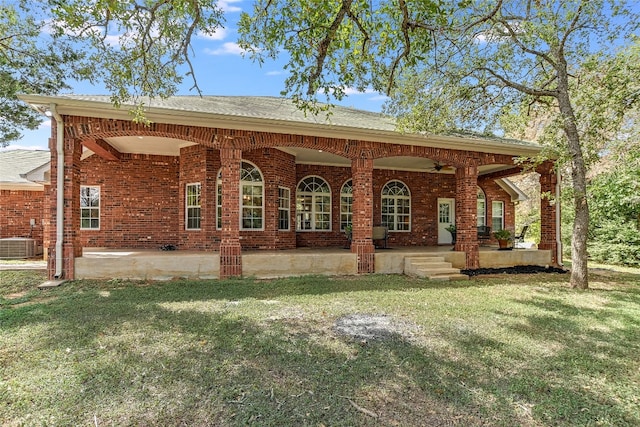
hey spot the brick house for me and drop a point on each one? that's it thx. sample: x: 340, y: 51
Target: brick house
x: 24, y: 181
x: 234, y: 175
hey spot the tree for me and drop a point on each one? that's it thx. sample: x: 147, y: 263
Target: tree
x: 135, y: 48
x: 450, y: 65
x: 28, y: 66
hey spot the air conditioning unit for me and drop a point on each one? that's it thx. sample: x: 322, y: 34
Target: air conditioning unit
x: 17, y: 247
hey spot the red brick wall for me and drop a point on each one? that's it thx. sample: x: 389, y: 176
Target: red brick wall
x: 335, y: 177
x: 143, y: 205
x: 495, y: 193
x: 199, y: 164
x: 17, y: 208
x: 278, y: 170
x: 425, y: 190
x: 139, y: 203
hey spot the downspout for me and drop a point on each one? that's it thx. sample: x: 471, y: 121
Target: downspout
x: 59, y: 189
x: 558, y: 219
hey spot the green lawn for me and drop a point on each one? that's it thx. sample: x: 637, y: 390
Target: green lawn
x: 502, y: 350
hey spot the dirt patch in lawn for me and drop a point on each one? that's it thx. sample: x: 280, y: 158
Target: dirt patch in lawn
x: 375, y: 327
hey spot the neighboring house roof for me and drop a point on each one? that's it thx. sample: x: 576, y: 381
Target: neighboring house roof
x: 279, y: 115
x: 24, y: 169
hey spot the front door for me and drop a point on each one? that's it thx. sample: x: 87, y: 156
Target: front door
x: 446, y: 217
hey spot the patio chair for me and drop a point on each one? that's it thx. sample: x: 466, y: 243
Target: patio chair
x: 484, y: 234
x: 380, y: 233
x: 519, y: 238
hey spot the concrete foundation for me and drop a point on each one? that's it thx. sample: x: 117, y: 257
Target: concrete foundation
x: 164, y: 265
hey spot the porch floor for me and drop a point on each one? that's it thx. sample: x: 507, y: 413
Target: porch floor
x: 102, y: 263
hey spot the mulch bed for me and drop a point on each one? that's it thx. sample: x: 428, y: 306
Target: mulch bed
x: 521, y: 269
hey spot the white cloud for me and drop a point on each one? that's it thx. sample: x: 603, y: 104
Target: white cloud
x: 225, y: 5
x: 354, y: 91
x: 217, y: 34
x: 45, y: 125
x: 275, y: 73
x: 228, y: 48
x: 379, y: 97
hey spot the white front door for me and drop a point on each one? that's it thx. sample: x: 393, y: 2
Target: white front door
x: 446, y: 217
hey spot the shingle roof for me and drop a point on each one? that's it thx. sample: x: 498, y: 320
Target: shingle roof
x: 282, y: 111
x: 16, y: 164
x: 264, y: 107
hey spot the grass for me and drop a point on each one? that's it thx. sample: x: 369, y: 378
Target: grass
x: 499, y: 350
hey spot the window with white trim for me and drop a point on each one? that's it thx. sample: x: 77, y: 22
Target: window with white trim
x: 481, y: 208
x: 396, y: 206
x: 193, y: 206
x: 89, y: 207
x: 346, y: 204
x: 219, y: 200
x: 252, y: 197
x: 313, y: 205
x: 284, y: 208
x: 497, y: 215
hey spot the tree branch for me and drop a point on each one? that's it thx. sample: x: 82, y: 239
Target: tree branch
x: 518, y: 86
x: 324, y: 44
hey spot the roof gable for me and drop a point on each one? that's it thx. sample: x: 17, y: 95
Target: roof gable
x: 24, y: 169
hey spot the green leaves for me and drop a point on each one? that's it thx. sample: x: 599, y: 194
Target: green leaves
x: 336, y: 45
x: 136, y: 48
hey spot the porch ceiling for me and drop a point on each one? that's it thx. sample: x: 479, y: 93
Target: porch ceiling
x: 171, y: 147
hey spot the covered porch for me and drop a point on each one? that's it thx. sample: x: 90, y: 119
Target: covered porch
x: 252, y: 187
x: 149, y: 264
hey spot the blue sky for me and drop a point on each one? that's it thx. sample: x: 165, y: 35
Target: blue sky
x: 220, y: 70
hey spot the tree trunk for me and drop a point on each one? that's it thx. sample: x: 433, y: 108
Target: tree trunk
x: 579, y: 272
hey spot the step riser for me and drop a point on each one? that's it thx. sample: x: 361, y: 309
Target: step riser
x: 432, y: 268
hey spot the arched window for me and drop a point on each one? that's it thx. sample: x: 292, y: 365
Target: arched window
x: 313, y: 204
x: 396, y: 206
x: 251, y: 198
x: 346, y: 204
x: 482, y: 208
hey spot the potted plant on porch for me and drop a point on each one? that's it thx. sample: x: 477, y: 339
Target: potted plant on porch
x: 503, y: 237
x: 452, y: 229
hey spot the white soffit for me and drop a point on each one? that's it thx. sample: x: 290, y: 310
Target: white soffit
x: 148, y: 145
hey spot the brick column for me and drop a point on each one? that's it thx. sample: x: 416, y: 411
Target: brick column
x: 230, y: 250
x: 466, y: 212
x: 71, y: 247
x: 548, y: 206
x: 361, y: 243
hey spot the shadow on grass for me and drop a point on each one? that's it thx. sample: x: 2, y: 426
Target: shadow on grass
x: 127, y: 354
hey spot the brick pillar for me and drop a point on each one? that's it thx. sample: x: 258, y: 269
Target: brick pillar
x: 361, y: 243
x: 71, y: 247
x: 548, y: 206
x: 466, y: 212
x: 230, y: 250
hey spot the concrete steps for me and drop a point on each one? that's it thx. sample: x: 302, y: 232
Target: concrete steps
x: 432, y: 267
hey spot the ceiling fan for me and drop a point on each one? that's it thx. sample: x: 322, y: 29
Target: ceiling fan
x: 437, y: 167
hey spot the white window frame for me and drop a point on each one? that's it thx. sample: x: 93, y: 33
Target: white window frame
x: 346, y: 204
x: 497, y: 213
x: 396, y: 198
x: 481, y: 208
x: 246, y: 200
x: 310, y: 215
x: 284, y: 208
x: 94, y: 211
x: 192, y: 207
x: 219, y: 200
